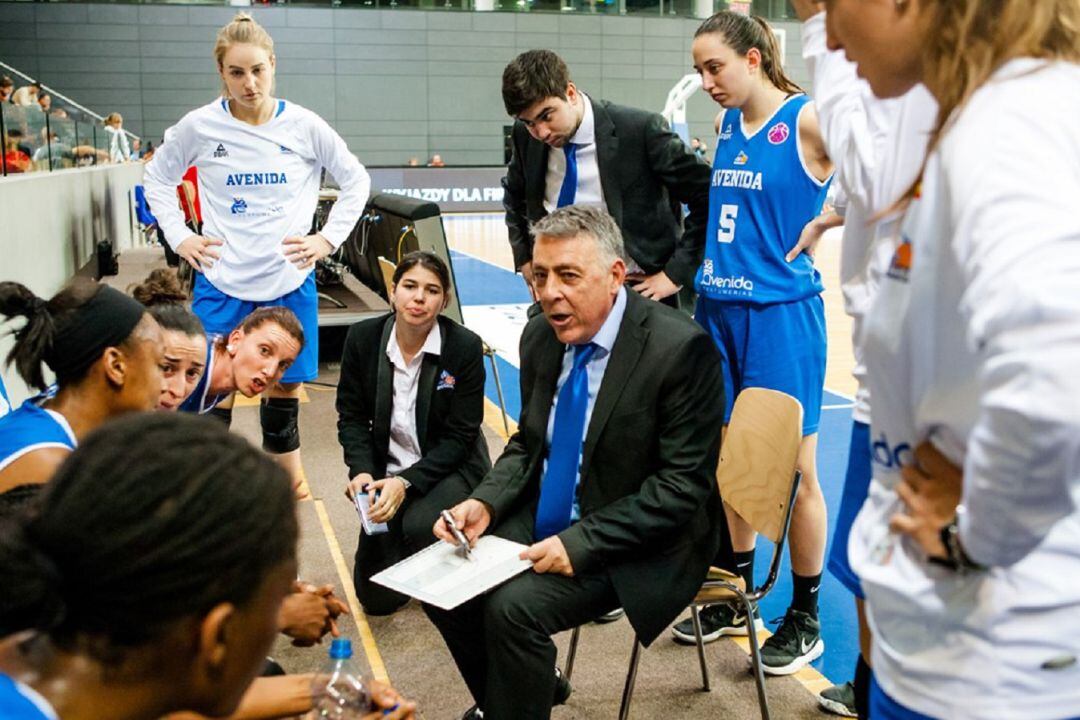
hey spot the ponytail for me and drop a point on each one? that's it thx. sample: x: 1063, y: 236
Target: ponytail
x: 742, y: 33
x: 34, y: 339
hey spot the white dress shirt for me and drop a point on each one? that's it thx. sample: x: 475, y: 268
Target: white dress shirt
x: 595, y: 368
x: 404, y: 451
x: 589, y: 190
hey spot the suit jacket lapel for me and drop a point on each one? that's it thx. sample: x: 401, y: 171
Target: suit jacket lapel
x: 624, y: 358
x: 384, y: 392
x: 607, y: 157
x: 429, y: 368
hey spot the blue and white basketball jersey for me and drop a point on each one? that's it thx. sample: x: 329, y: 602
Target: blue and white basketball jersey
x: 760, y: 198
x: 18, y: 702
x: 200, y: 401
x: 30, y: 428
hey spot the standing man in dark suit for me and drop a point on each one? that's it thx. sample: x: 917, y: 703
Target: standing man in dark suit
x: 610, y: 478
x: 571, y: 149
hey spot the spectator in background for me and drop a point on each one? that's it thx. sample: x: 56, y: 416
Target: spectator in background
x: 26, y: 95
x: 59, y: 113
x: 15, y: 160
x: 44, y: 100
x: 436, y: 161
x: 700, y: 149
x: 414, y: 162
x: 7, y: 89
x: 118, y: 144
x: 136, y: 149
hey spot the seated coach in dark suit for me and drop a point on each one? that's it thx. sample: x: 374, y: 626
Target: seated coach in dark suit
x: 410, y: 403
x: 610, y: 479
x: 569, y: 148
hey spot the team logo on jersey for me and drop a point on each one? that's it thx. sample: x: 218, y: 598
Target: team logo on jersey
x: 900, y: 267
x: 221, y: 151
x: 239, y: 206
x: 741, y: 285
x: 741, y: 158
x: 726, y: 134
x: 778, y: 133
x: 745, y: 179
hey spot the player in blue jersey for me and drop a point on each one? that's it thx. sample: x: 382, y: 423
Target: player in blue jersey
x: 769, y: 178
x: 260, y: 161
x: 105, y: 351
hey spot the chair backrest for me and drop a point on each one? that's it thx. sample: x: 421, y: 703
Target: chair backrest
x: 388, y: 269
x: 756, y: 475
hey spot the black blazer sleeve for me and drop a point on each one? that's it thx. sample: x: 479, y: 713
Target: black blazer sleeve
x: 688, y: 420
x: 461, y: 418
x: 687, y: 181
x: 514, y: 200
x: 505, y: 484
x: 355, y: 402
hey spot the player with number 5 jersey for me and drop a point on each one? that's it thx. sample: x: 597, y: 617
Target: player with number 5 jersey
x: 765, y: 314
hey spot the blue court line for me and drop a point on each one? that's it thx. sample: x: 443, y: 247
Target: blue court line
x: 481, y: 283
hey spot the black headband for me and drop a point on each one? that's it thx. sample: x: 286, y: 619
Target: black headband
x: 106, y: 320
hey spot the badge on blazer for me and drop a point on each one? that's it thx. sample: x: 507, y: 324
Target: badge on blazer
x: 446, y: 381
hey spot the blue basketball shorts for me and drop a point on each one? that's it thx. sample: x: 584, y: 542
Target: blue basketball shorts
x: 856, y: 487
x: 221, y: 313
x: 780, y: 346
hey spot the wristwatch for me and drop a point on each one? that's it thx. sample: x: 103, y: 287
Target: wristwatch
x: 955, y: 558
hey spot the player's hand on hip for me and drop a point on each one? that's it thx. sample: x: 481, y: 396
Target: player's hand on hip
x: 472, y: 518
x: 199, y: 251
x: 305, y: 251
x: 655, y: 287
x: 931, y: 490
x: 549, y: 556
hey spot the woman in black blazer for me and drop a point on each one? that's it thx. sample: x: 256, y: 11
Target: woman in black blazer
x: 410, y: 403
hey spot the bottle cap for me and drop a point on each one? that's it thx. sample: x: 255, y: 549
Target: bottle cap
x: 340, y: 649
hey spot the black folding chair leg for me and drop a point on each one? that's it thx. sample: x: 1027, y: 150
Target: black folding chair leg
x: 631, y: 678
x: 498, y: 390
x: 568, y: 671
x: 696, y: 617
x: 755, y: 655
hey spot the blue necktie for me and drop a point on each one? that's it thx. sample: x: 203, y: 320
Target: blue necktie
x: 564, y: 455
x: 569, y: 181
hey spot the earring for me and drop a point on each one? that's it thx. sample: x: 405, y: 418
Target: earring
x: 230, y: 348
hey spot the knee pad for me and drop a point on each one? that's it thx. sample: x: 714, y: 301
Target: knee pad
x: 278, y: 417
x: 221, y: 414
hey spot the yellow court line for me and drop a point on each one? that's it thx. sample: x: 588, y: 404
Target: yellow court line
x: 371, y: 650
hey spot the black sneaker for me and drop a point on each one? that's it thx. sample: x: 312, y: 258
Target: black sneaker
x: 563, y: 688
x: 839, y: 700
x: 610, y: 617
x: 716, y: 622
x: 797, y: 642
x: 473, y: 713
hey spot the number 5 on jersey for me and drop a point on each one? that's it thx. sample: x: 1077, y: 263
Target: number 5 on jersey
x: 726, y: 231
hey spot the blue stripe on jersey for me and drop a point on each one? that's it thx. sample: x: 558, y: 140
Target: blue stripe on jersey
x: 280, y: 107
x: 14, y: 705
x: 30, y: 425
x: 199, y: 401
x: 760, y: 198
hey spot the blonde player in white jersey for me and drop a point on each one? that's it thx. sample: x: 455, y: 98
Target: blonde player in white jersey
x: 969, y: 543
x: 260, y: 162
x: 879, y: 146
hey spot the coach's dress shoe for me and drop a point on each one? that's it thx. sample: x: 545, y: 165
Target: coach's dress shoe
x: 563, y: 689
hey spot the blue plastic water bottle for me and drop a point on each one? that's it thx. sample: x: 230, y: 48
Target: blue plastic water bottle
x: 340, y: 692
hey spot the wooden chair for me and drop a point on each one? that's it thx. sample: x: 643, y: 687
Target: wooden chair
x: 388, y: 269
x: 757, y: 478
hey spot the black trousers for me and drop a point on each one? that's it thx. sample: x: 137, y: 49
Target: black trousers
x: 502, y: 643
x: 409, y: 532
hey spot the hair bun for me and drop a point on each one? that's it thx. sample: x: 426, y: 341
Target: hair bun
x: 161, y: 287
x: 17, y: 299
